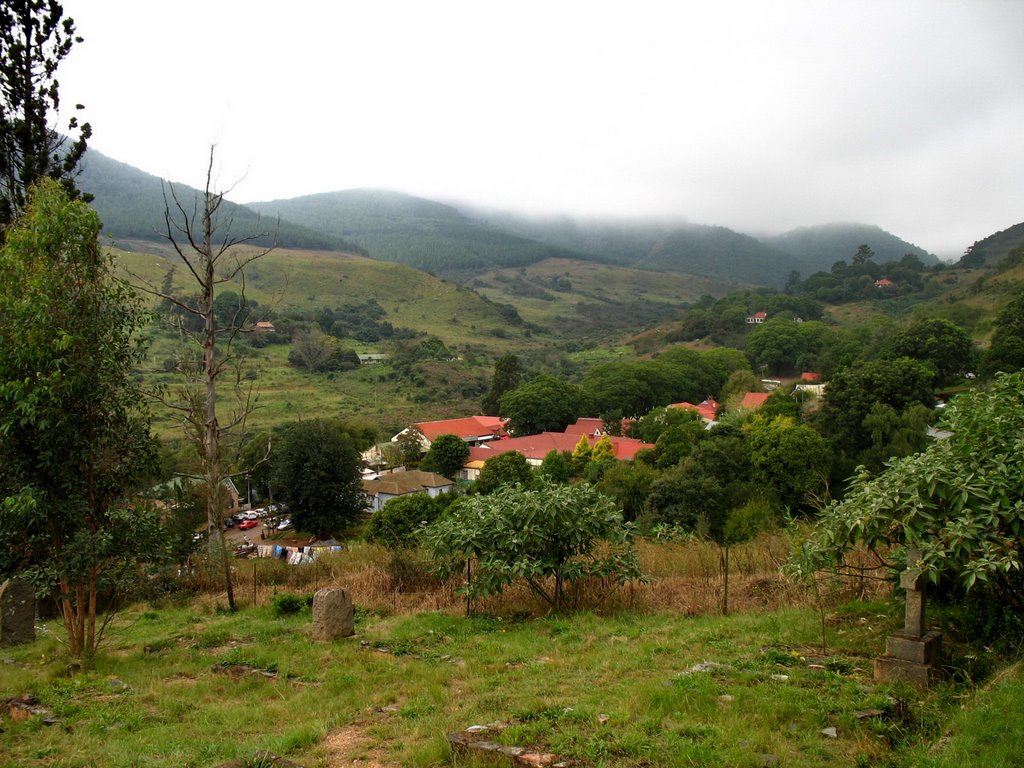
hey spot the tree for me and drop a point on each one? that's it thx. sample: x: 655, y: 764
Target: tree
x: 447, y: 456
x: 202, y: 238
x: 541, y: 405
x: 853, y: 392
x: 317, y: 474
x: 959, y: 501
x: 508, y: 374
x: 504, y: 469
x: 74, y: 439
x: 1006, y: 352
x: 551, y: 537
x: 790, y: 459
x: 939, y: 343
x: 399, y: 523
x: 556, y: 466
x: 35, y: 37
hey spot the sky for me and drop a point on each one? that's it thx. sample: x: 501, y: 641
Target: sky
x: 759, y: 116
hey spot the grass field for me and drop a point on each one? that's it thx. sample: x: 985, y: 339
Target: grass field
x: 656, y: 678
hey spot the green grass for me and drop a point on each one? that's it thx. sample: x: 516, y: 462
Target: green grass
x: 604, y: 690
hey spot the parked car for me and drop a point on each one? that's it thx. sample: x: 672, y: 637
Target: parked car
x: 250, y: 515
x: 245, y: 525
x: 229, y: 522
x: 284, y: 525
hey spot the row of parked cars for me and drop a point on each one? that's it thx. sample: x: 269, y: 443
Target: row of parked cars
x: 251, y: 518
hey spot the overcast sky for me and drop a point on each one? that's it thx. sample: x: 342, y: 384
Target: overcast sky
x: 760, y: 116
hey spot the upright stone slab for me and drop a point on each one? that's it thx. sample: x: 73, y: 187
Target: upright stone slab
x: 17, y: 612
x: 333, y: 614
x: 913, y: 654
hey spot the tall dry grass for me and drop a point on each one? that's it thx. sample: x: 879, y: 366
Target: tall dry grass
x: 683, y: 577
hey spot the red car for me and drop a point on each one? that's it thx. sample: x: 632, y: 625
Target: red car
x: 245, y: 525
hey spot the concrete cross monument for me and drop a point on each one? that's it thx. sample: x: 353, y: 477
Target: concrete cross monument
x: 912, y: 654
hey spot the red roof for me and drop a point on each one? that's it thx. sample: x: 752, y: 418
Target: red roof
x: 754, y: 399
x: 708, y: 409
x: 536, y: 447
x: 810, y: 376
x: 760, y: 315
x: 466, y: 428
x: 885, y: 282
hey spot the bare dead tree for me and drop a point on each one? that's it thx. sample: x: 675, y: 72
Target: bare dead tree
x: 201, y: 236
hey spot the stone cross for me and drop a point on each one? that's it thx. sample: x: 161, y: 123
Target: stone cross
x: 913, y: 582
x: 17, y: 612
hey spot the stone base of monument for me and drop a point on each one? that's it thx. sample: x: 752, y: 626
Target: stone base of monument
x: 913, y: 660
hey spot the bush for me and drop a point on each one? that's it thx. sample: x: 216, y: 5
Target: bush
x: 286, y: 604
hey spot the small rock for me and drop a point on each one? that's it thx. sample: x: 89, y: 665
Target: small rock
x: 780, y: 678
x: 116, y: 684
x: 726, y: 698
x: 815, y: 666
x: 603, y: 718
x: 830, y: 732
x: 477, y: 729
x: 864, y: 714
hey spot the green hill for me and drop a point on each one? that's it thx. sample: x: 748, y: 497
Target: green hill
x: 821, y: 246
x: 421, y: 233
x: 991, y: 249
x: 131, y: 205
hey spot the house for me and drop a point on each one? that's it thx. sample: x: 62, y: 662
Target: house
x: 371, y: 358
x: 535, y: 447
x: 708, y: 409
x: 591, y: 427
x: 265, y: 325
x: 810, y: 377
x: 885, y: 282
x: 754, y: 400
x: 757, y: 318
x: 386, y: 487
x: 475, y: 430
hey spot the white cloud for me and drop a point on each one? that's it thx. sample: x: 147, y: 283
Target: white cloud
x: 750, y: 114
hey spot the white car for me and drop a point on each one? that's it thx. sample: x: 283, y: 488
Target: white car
x: 284, y: 525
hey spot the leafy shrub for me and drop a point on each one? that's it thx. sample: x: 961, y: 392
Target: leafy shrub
x: 286, y: 604
x: 563, y: 534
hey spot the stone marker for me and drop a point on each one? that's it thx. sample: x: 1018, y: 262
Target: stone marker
x: 17, y: 612
x: 911, y: 655
x: 333, y: 614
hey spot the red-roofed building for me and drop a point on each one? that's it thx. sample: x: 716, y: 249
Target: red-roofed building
x: 757, y: 318
x: 535, y: 447
x: 708, y: 409
x: 810, y: 377
x: 475, y: 430
x: 885, y: 282
x: 591, y: 427
x: 754, y: 400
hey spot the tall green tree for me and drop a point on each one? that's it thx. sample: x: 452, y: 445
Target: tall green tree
x: 74, y: 438
x: 508, y: 374
x: 447, y: 456
x: 543, y: 404
x: 317, y: 474
x: 509, y: 468
x: 35, y: 37
x: 940, y: 343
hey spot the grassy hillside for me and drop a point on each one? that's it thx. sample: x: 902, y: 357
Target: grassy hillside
x: 657, y: 679
x: 300, y: 283
x: 591, y: 303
